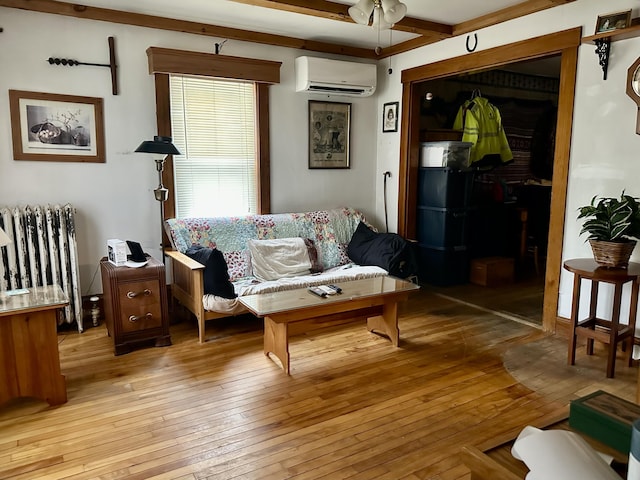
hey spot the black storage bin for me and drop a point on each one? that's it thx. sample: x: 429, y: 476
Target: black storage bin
x: 444, y: 187
x: 442, y: 227
x: 443, y: 266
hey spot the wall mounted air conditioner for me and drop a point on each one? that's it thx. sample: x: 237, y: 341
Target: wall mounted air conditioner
x: 335, y: 77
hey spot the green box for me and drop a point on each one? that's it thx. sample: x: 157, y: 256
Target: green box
x: 606, y: 418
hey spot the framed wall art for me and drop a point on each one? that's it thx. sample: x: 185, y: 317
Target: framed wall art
x: 613, y: 21
x: 56, y: 128
x: 329, y: 125
x: 390, y: 117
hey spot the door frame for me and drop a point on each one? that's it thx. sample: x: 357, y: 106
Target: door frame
x: 566, y: 44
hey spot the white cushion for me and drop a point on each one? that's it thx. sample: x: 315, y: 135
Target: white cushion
x: 278, y: 258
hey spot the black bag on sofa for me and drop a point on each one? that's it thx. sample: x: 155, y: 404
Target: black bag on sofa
x: 386, y: 250
x: 216, y: 273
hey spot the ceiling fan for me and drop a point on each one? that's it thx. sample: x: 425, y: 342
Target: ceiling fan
x: 385, y: 12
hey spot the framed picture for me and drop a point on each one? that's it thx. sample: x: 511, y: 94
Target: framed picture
x: 329, y: 125
x: 613, y: 21
x: 390, y: 117
x: 56, y: 128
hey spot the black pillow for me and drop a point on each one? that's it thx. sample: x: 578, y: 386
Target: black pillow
x: 216, y: 273
x: 386, y: 250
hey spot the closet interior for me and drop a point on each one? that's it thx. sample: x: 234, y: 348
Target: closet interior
x: 486, y: 222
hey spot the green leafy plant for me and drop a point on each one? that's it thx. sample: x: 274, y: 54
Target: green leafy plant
x: 612, y: 219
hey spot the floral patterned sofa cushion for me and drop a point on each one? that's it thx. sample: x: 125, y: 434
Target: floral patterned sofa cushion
x: 330, y: 230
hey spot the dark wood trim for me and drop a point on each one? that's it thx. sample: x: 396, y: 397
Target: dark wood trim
x: 163, y: 121
x: 263, y: 156
x: 515, y: 11
x: 340, y: 12
x: 429, y: 32
x: 166, y: 60
x: 566, y: 44
x: 564, y: 128
x: 151, y: 21
x: 494, y: 57
x: 191, y: 63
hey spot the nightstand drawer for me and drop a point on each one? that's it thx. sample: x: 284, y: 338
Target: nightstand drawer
x: 135, y: 304
x: 140, y: 306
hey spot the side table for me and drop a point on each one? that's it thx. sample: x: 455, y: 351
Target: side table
x: 135, y: 303
x: 29, y: 357
x: 610, y: 332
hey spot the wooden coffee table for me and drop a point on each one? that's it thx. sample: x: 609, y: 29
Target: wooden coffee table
x: 297, y: 311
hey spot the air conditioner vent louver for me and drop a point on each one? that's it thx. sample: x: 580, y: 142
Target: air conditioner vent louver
x: 344, y: 90
x: 335, y: 77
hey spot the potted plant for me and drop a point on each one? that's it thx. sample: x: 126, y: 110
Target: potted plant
x: 612, y: 224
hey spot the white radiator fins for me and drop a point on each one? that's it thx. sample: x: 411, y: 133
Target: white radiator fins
x: 43, y: 252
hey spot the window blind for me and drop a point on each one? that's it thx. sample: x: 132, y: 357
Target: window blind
x: 213, y: 124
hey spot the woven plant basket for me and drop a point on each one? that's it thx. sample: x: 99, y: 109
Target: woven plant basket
x: 612, y: 254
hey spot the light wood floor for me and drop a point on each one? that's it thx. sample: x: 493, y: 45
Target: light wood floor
x: 354, y: 406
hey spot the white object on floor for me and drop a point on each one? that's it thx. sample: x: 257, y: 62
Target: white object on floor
x: 560, y: 455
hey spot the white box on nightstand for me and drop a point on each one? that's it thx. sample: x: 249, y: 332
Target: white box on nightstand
x: 117, y: 252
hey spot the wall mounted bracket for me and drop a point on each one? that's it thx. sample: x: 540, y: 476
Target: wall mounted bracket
x: 112, y: 64
x: 603, y: 47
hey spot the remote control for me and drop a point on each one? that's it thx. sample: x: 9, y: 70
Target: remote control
x: 317, y: 291
x: 327, y: 290
x: 336, y: 288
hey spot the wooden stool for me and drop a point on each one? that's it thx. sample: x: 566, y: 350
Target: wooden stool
x: 610, y: 332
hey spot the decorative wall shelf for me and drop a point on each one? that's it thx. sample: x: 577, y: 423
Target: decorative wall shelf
x: 603, y: 40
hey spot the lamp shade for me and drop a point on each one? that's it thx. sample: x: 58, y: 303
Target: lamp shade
x: 394, y: 11
x: 159, y: 144
x: 4, y: 238
x: 361, y: 12
x: 379, y: 21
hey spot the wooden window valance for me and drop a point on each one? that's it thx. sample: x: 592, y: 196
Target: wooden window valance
x: 169, y: 61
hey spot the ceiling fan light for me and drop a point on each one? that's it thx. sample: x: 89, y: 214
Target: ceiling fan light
x: 378, y: 20
x: 394, y: 11
x: 361, y: 12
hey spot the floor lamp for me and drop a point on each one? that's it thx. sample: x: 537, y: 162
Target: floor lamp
x: 164, y: 147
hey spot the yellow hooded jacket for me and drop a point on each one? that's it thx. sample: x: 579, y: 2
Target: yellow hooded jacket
x: 481, y: 125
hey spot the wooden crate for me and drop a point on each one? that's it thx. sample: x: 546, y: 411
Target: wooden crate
x: 492, y: 271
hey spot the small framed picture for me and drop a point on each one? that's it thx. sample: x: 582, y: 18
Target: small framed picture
x: 329, y: 124
x: 613, y: 21
x: 56, y: 128
x: 390, y: 117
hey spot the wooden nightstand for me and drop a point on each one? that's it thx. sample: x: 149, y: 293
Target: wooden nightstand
x: 135, y: 303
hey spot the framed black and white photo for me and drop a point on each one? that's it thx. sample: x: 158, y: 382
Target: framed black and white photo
x: 329, y: 125
x: 390, y: 117
x: 56, y: 128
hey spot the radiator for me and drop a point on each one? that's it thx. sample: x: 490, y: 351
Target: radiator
x: 43, y: 251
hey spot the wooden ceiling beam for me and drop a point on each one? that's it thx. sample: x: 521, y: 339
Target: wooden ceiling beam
x: 519, y: 10
x: 340, y: 11
x: 429, y: 32
x: 162, y: 23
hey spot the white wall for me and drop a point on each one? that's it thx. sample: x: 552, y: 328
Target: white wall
x: 115, y: 199
x: 604, y: 155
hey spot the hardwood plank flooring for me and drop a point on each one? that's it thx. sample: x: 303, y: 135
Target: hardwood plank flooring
x: 354, y: 406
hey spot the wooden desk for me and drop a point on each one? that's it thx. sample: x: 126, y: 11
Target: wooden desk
x: 29, y: 360
x: 610, y: 332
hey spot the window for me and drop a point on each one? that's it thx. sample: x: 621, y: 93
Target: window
x: 260, y: 74
x: 213, y: 123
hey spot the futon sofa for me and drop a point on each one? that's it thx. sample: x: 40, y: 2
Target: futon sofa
x: 246, y: 242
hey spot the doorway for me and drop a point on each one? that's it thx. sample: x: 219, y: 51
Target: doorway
x: 565, y: 44
x: 491, y: 253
